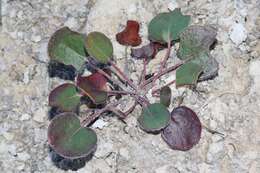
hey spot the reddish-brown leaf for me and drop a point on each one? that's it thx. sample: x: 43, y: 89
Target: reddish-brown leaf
x: 94, y: 86
x: 148, y: 51
x: 130, y: 35
x: 184, y: 130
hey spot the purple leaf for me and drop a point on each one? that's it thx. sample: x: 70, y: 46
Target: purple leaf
x: 184, y: 130
x: 148, y: 51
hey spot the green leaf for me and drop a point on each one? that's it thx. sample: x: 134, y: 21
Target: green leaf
x: 94, y: 86
x: 188, y: 74
x: 195, y: 43
x: 65, y: 97
x: 154, y: 117
x: 67, y: 47
x: 167, y: 26
x: 69, y: 139
x: 165, y: 96
x: 99, y: 47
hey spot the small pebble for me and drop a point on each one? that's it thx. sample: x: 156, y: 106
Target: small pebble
x: 238, y: 33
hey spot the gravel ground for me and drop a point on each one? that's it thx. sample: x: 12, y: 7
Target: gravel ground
x: 229, y: 104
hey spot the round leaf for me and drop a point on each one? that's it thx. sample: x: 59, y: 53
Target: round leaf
x: 67, y: 47
x: 65, y: 97
x: 167, y: 26
x: 154, y: 117
x: 165, y: 96
x: 69, y: 139
x: 99, y: 47
x: 184, y: 129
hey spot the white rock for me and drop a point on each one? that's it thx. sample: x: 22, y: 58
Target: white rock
x: 172, y: 5
x: 20, y: 14
x: 100, y: 124
x: 105, y: 148
x: 213, y: 124
x: 254, y: 71
x: 124, y: 152
x: 43, y: 54
x: 8, y: 136
x: 10, y: 149
x: 26, y: 76
x: 25, y: 117
x: 132, y: 8
x: 12, y: 13
x: 203, y: 167
x: 39, y: 115
x: 20, y: 166
x: 40, y: 135
x: 215, y: 151
x: 36, y: 38
x: 2, y: 65
x: 71, y: 22
x: 162, y: 169
x: 238, y: 33
x: 24, y: 156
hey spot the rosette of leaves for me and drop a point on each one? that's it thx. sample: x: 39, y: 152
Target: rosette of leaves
x: 70, y: 137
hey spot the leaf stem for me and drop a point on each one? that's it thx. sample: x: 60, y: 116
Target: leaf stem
x: 143, y: 74
x: 113, y: 92
x: 122, y: 74
x: 131, y: 109
x: 98, y: 112
x: 107, y: 76
x: 163, y: 63
x: 118, y: 112
x: 157, y: 76
x: 212, y: 131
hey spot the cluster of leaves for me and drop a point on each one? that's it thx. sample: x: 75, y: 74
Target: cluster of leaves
x: 72, y: 53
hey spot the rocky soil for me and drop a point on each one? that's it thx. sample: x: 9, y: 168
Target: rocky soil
x: 229, y: 104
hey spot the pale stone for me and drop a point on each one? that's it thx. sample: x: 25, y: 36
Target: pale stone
x: 107, y: 147
x: 100, y: 124
x: 162, y: 169
x: 25, y: 117
x: 214, y: 151
x: 9, y: 136
x: 173, y: 5
x: 36, y: 38
x: 23, y: 156
x: 125, y: 153
x: 40, y: 115
x: 254, y: 71
x: 71, y: 22
x: 238, y: 33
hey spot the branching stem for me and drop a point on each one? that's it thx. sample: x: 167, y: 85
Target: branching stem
x: 97, y: 113
x: 122, y: 74
x: 157, y: 76
x: 163, y: 63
